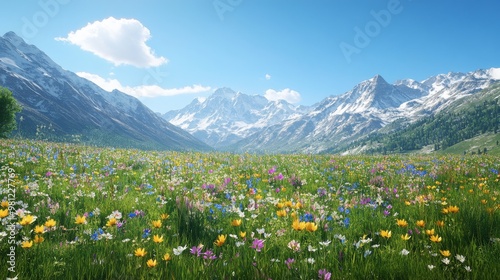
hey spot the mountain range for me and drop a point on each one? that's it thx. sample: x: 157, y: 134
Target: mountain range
x: 237, y: 122
x: 59, y: 105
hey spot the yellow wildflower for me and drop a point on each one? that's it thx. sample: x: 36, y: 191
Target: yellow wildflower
x: 39, y: 229
x: 445, y: 253
x: 151, y: 263
x: 401, y: 223
x: 164, y: 216
x: 420, y: 223
x: 4, y: 213
x: 156, y: 224
x: 429, y: 231
x: 436, y: 238
x: 167, y: 257
x: 220, y: 240
x: 311, y: 227
x: 453, y: 209
x: 111, y: 222
x: 386, y: 234
x: 5, y: 204
x: 80, y: 220
x: 38, y: 239
x: 281, y: 213
x: 140, y: 252
x: 236, y: 223
x: 298, y: 225
x: 26, y: 220
x: 405, y: 237
x: 50, y: 223
x: 157, y: 238
x: 27, y: 244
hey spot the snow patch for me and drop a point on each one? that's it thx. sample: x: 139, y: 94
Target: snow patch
x: 494, y: 73
x: 8, y: 61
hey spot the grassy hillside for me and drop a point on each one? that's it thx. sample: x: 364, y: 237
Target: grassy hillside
x: 490, y: 141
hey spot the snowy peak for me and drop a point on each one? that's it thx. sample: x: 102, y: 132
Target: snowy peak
x: 494, y: 73
x: 224, y: 92
x: 371, y: 96
x: 14, y: 39
x: 378, y: 80
x: 227, y: 116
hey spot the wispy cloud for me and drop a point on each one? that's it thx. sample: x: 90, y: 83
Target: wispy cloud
x: 120, y: 41
x: 268, y: 77
x: 287, y: 94
x: 144, y: 90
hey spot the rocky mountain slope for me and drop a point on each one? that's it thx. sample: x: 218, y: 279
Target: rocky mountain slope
x: 59, y: 105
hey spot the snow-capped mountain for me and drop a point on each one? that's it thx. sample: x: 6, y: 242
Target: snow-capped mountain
x: 58, y: 99
x: 226, y: 116
x: 369, y: 106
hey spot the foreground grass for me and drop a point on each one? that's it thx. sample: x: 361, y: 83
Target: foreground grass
x: 93, y: 213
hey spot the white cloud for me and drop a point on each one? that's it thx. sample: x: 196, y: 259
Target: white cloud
x: 106, y: 84
x: 120, y: 41
x: 287, y: 94
x: 141, y: 91
x: 268, y: 77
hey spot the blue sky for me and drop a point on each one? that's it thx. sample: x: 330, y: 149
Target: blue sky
x: 169, y: 52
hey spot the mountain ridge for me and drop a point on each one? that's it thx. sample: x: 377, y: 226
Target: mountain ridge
x: 372, y: 104
x: 71, y: 105
x: 227, y: 116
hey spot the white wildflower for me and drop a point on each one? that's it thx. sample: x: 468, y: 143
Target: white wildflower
x: 179, y: 250
x: 325, y: 243
x: 404, y: 252
x: 460, y: 258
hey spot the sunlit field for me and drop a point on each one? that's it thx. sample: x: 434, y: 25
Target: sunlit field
x: 79, y: 212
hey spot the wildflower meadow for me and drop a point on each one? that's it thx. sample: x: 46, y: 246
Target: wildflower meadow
x: 78, y: 212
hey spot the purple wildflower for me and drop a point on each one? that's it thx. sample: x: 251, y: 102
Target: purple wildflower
x: 289, y: 262
x: 324, y: 274
x: 258, y: 244
x: 196, y: 250
x: 209, y: 255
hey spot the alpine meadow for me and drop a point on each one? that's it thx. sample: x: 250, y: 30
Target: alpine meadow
x: 78, y: 212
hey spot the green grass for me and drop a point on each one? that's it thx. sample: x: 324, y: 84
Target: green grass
x: 344, y: 202
x: 488, y: 141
